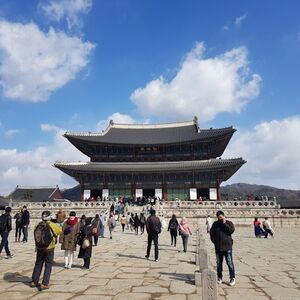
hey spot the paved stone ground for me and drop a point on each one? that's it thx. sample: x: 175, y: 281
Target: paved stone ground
x: 266, y: 269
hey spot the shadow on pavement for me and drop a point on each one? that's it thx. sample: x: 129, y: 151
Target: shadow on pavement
x: 17, y: 277
x: 131, y: 256
x: 187, y: 278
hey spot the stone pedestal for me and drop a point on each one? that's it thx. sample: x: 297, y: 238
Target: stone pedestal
x: 209, y: 285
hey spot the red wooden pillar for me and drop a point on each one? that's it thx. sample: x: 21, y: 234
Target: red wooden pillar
x: 218, y: 191
x: 133, y: 190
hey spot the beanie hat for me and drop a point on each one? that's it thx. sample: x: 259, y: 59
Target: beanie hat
x: 46, y: 215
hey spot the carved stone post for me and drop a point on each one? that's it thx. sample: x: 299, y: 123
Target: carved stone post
x: 209, y: 285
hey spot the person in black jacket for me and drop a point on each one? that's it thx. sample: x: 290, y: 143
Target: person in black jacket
x: 25, y: 223
x: 220, y: 235
x: 5, y: 233
x: 173, y: 225
x: 85, y: 250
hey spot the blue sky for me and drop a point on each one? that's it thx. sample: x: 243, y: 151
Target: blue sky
x: 73, y: 65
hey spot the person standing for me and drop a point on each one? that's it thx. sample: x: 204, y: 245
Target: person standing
x: 123, y: 222
x: 142, y: 222
x: 208, y: 223
x: 97, y: 225
x: 44, y: 255
x: 136, y: 223
x: 220, y: 235
x: 68, y: 238
x: 185, y: 231
x: 258, y: 231
x: 268, y: 228
x: 103, y: 220
x: 153, y: 227
x: 6, y: 226
x: 173, y: 225
x: 18, y: 223
x: 25, y: 223
x: 85, y: 242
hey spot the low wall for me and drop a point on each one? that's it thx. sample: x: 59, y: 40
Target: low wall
x: 241, y: 213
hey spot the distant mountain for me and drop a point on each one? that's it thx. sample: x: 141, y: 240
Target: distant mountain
x: 286, y: 198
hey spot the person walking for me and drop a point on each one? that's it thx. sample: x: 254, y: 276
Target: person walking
x: 123, y: 222
x: 18, y: 223
x: 185, y: 231
x: 136, y: 223
x: 103, y: 221
x: 173, y: 228
x: 258, y: 231
x: 45, y: 253
x: 5, y: 228
x: 85, y: 242
x: 153, y: 227
x: 97, y: 225
x: 111, y: 224
x: 220, y: 235
x: 25, y: 223
x: 267, y: 227
x: 68, y: 238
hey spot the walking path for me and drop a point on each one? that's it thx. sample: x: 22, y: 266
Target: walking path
x: 266, y: 269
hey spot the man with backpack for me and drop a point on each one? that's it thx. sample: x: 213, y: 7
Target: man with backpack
x: 45, y: 236
x: 153, y: 227
x: 5, y: 228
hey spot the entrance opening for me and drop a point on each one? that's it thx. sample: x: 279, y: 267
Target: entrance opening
x: 203, y: 193
x: 148, y: 192
x: 96, y: 193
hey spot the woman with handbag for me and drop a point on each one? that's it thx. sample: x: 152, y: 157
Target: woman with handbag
x: 96, y: 224
x: 85, y: 242
x: 68, y: 238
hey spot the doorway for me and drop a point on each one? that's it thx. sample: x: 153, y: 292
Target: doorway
x: 203, y: 193
x: 148, y: 192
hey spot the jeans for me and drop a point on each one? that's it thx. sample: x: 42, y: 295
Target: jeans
x: 96, y: 237
x: 173, y: 233
x: 185, y: 238
x: 142, y: 228
x: 18, y: 232
x: 4, y: 242
x: 25, y: 233
x: 154, y: 238
x: 43, y: 256
x: 228, y: 257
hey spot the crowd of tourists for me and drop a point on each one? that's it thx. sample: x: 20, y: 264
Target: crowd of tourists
x: 84, y: 232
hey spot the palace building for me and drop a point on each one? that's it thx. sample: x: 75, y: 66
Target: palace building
x: 169, y: 161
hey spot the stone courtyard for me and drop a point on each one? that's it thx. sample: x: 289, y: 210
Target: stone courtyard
x: 266, y: 269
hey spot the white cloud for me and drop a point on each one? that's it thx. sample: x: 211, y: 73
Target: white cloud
x: 35, y: 63
x: 34, y: 167
x: 271, y: 150
x: 202, y: 87
x: 11, y: 132
x: 238, y: 21
x: 69, y: 10
x: 118, y: 118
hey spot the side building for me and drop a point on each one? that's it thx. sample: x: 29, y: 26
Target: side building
x: 169, y: 161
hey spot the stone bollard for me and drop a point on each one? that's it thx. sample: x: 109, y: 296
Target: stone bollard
x: 203, y: 259
x: 209, y: 285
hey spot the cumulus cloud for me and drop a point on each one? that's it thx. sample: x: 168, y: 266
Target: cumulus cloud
x: 238, y: 20
x: 119, y: 118
x: 35, y: 63
x: 34, y: 167
x: 69, y: 10
x: 272, y: 153
x: 202, y: 87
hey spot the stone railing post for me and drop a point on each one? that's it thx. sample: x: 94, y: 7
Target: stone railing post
x: 209, y: 285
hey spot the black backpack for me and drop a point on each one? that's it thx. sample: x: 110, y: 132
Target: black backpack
x: 43, y: 235
x: 157, y: 228
x: 3, y: 223
x: 173, y: 225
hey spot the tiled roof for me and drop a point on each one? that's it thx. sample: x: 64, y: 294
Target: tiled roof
x: 149, y: 134
x: 34, y: 194
x: 150, y: 166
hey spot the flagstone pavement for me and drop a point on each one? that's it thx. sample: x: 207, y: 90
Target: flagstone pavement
x: 266, y: 269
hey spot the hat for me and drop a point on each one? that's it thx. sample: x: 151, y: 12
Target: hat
x: 53, y: 216
x: 72, y: 214
x: 46, y: 215
x: 8, y: 209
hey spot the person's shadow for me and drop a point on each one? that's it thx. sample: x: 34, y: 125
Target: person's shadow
x: 17, y: 277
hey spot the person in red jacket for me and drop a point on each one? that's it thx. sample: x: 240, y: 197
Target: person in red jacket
x: 220, y: 235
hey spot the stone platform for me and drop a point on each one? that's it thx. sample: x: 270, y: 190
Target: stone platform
x: 266, y: 269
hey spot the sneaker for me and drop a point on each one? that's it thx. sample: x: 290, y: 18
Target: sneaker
x: 43, y: 287
x: 219, y: 281
x: 157, y: 260
x: 232, y: 282
x: 9, y: 256
x: 147, y: 257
